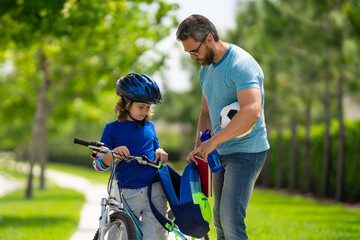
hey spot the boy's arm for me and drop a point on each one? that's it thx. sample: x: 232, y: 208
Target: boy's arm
x: 99, y: 163
x: 102, y: 162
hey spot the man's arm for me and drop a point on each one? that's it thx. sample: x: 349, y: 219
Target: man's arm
x: 250, y: 112
x: 203, y: 124
x: 204, y: 120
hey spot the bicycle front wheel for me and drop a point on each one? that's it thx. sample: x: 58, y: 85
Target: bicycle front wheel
x: 121, y: 228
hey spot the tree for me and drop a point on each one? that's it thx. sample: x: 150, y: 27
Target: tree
x: 302, y: 47
x: 66, y: 51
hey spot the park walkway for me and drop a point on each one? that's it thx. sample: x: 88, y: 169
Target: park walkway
x: 9, y: 184
x: 90, y: 213
x: 89, y: 216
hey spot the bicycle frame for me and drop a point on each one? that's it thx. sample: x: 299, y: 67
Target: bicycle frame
x: 115, y: 202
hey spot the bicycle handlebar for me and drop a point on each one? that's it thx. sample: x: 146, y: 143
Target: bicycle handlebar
x: 99, y: 146
x: 87, y: 144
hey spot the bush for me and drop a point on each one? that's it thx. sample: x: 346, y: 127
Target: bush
x: 352, y: 156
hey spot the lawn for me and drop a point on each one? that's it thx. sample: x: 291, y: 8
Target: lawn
x: 271, y: 215
x: 274, y: 215
x: 51, y: 214
x: 86, y: 172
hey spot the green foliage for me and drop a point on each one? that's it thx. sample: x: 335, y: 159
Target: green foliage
x: 352, y: 154
x: 299, y: 44
x: 180, y: 107
x: 81, y: 48
x: 352, y: 165
x: 63, y: 149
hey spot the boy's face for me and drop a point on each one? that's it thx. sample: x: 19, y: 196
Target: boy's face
x: 139, y: 111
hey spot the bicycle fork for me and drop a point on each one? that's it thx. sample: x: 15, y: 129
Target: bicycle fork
x: 107, y: 206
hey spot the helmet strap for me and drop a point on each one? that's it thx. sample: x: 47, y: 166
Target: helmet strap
x: 141, y: 122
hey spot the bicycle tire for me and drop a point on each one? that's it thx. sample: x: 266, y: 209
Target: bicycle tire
x: 121, y: 228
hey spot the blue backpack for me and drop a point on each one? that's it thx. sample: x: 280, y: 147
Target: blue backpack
x: 189, y: 205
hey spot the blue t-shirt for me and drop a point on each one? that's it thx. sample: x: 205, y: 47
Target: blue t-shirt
x: 220, y: 82
x: 140, y: 141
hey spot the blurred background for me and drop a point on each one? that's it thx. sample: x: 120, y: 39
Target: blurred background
x: 60, y: 60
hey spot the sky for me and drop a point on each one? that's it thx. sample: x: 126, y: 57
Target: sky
x: 220, y: 13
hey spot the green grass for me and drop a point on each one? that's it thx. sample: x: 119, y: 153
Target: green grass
x: 12, y: 173
x: 51, y: 214
x: 86, y: 172
x: 274, y: 215
x: 271, y: 215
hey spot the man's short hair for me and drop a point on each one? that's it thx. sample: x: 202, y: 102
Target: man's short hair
x: 197, y: 27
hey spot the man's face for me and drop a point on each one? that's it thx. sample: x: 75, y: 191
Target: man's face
x: 199, y: 51
x: 208, y: 58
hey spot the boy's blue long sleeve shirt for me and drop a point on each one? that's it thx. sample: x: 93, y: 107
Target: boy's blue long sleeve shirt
x: 140, y: 141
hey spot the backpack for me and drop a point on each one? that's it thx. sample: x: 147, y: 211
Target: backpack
x: 189, y: 205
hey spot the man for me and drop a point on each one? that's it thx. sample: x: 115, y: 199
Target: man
x: 228, y: 74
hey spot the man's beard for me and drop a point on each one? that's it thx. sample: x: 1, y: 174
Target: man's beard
x: 209, y: 57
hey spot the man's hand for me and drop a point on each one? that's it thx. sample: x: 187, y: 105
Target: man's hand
x: 202, y: 151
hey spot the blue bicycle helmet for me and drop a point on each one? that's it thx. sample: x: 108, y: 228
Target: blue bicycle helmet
x: 138, y: 88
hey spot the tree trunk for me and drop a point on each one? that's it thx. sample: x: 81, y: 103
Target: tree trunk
x: 38, y: 143
x: 44, y: 116
x: 37, y: 138
x: 280, y: 162
x: 29, y: 184
x: 265, y: 172
x: 307, y: 148
x: 293, y: 156
x: 326, y: 149
x: 341, y: 138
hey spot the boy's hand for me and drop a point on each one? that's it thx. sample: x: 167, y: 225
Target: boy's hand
x: 161, y: 155
x: 122, y: 151
x: 94, y: 155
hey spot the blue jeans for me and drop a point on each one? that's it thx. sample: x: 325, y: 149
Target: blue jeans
x: 232, y: 188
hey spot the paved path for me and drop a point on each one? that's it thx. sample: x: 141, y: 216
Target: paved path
x: 89, y: 216
x: 9, y: 184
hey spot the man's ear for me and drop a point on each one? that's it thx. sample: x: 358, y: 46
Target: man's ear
x: 210, y: 39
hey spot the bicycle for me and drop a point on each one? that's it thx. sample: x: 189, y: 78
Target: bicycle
x: 117, y: 220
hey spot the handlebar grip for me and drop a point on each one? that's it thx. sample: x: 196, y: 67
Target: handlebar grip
x: 86, y: 143
x: 81, y: 142
x: 145, y: 158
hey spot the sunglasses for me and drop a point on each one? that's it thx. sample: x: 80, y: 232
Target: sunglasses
x: 196, y: 51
